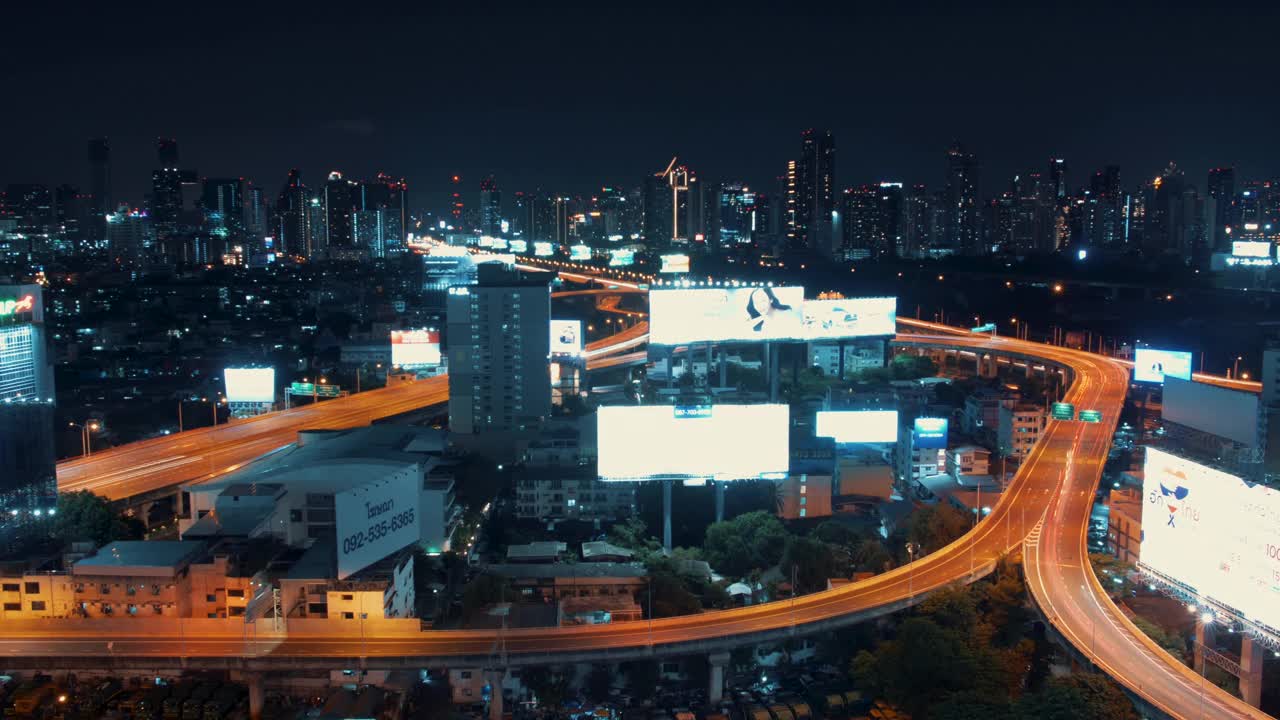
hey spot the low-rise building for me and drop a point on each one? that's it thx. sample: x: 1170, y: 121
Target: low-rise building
x: 552, y: 582
x: 1124, y: 523
x: 1021, y: 425
x: 571, y: 493
x: 968, y: 460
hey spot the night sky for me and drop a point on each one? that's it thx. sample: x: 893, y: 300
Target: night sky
x: 577, y: 96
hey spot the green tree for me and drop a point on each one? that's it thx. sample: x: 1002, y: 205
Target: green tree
x: 813, y: 562
x: 669, y: 596
x: 1078, y: 696
x: 972, y: 705
x: 912, y: 367
x: 754, y: 540
x: 485, y: 590
x: 85, y: 516
x: 549, y: 684
x: 1172, y: 644
x: 935, y: 526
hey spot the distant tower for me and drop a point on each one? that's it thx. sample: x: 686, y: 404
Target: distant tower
x: 961, y: 196
x: 455, y: 200
x: 815, y: 191
x: 1222, y: 188
x: 490, y: 207
x: 292, y: 220
x: 99, y: 187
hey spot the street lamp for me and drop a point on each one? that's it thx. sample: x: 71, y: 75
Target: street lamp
x: 1235, y: 370
x: 89, y: 426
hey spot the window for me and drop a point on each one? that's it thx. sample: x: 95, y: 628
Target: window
x: 12, y: 607
x: 348, y: 616
x: 802, y: 512
x: 295, y: 516
x: 348, y: 597
x: 465, y: 674
x: 804, y: 501
x: 10, y: 587
x: 235, y: 593
x: 105, y: 589
x: 33, y: 588
x: 37, y: 606
x: 211, y: 598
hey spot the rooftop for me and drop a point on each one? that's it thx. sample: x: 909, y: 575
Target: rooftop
x: 567, y: 570
x: 158, y: 558
x: 536, y: 550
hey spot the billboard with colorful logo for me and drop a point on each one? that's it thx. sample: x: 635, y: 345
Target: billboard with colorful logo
x: 930, y: 433
x: 566, y: 337
x: 850, y: 317
x: 1212, y: 533
x: 686, y: 315
x: 1152, y: 365
x: 415, y: 348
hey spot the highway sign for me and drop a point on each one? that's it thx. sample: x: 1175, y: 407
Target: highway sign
x: 325, y: 391
x: 1063, y: 411
x: 1090, y: 416
x: 302, y: 389
x: 328, y: 390
x: 989, y: 327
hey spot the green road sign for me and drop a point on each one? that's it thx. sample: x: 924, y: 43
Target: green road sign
x: 327, y: 390
x: 302, y: 389
x: 1063, y: 411
x: 989, y: 327
x: 1090, y: 416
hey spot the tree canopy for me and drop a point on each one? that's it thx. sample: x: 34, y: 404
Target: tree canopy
x: 751, y: 541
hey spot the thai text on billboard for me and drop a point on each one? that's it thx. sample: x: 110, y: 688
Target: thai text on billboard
x: 415, y: 348
x: 375, y: 520
x: 1213, y: 533
x: 730, y: 442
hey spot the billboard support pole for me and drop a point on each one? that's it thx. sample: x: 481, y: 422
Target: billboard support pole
x: 666, y: 513
x: 724, y: 367
x: 771, y: 349
x: 710, y: 361
x: 840, y: 347
x: 719, y: 486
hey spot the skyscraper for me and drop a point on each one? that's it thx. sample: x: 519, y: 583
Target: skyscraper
x: 28, y: 481
x: 490, y: 207
x: 738, y: 219
x: 100, y: 202
x: 222, y: 202
x: 166, y: 192
x: 455, y: 202
x: 1104, y: 209
x: 961, y: 215
x: 292, y: 221
x: 339, y: 201
x: 657, y: 213
x: 815, y: 192
x: 1222, y: 188
x: 499, y: 344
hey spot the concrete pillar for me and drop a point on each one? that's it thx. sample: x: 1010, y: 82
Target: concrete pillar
x: 671, y: 367
x: 719, y: 489
x: 666, y: 514
x: 772, y: 350
x: 257, y: 695
x: 494, y: 678
x: 715, y: 685
x: 840, y: 347
x: 1251, y: 657
x: 710, y: 363
x: 724, y: 368
x: 986, y: 366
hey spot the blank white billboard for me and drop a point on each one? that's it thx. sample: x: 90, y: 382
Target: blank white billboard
x: 850, y: 317
x: 376, y: 520
x: 566, y: 337
x: 415, y: 348
x: 250, y: 385
x: 1251, y: 248
x: 858, y: 426
x: 685, y: 315
x: 714, y: 442
x: 1152, y: 365
x: 1213, y: 533
x: 1231, y: 414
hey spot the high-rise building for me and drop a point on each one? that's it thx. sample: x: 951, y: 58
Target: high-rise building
x: 29, y: 207
x: 815, y: 192
x: 962, y: 232
x: 1103, y: 210
x: 1057, y: 179
x: 1222, y: 188
x: 255, y: 215
x: 490, y: 207
x: 658, y: 211
x: 1032, y: 222
x: 872, y: 221
x: 499, y: 344
x: 100, y: 202
x: 789, y: 192
x: 340, y: 197
x: 222, y: 203
x: 917, y: 229
x: 71, y: 214
x: 167, y: 152
x: 381, y: 215
x: 738, y: 216
x: 1174, y: 223
x: 129, y: 235
x: 292, y: 224
x: 28, y: 480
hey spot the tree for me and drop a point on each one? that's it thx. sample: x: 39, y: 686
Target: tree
x: 935, y: 526
x: 912, y: 367
x: 669, y: 597
x: 751, y: 541
x: 599, y: 683
x: 550, y: 685
x: 813, y: 562
x: 85, y: 516
x: 1078, y: 696
x: 971, y: 705
x: 485, y: 590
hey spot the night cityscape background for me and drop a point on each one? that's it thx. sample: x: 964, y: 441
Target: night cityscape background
x: 716, y: 362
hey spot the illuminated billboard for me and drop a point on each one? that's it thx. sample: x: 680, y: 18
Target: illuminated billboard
x: 375, y: 520
x: 930, y: 433
x: 1213, y: 533
x: 543, y: 249
x: 1151, y: 365
x: 851, y: 317
x: 678, y: 263
x: 580, y: 252
x: 1251, y: 248
x: 858, y: 426
x: 415, y: 348
x: 566, y: 337
x: 621, y: 257
x: 686, y: 315
x: 718, y: 442
x: 518, y: 246
x: 250, y: 385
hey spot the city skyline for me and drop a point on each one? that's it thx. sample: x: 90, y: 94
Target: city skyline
x: 893, y: 119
